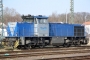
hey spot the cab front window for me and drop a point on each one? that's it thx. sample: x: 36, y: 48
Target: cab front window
x: 43, y: 21
x: 29, y: 20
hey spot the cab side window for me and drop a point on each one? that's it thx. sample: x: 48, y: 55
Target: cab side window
x: 35, y: 21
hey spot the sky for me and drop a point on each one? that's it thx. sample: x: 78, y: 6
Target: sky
x: 46, y: 7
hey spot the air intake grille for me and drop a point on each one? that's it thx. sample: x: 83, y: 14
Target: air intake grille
x: 79, y: 31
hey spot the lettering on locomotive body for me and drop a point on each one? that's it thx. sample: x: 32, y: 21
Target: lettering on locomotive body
x: 44, y: 28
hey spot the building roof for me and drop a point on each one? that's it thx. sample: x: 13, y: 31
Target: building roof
x: 86, y: 23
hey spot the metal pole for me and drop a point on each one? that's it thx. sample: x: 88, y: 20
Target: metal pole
x: 66, y: 15
x: 1, y: 13
x: 72, y: 11
x: 85, y: 18
x: 2, y: 18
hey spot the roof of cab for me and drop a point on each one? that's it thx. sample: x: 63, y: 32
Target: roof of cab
x: 31, y: 16
x: 41, y: 17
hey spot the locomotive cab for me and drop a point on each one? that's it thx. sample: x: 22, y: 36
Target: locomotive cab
x: 41, y: 26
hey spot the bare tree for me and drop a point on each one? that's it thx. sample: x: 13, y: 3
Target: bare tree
x: 79, y: 17
x: 53, y: 17
x: 10, y: 15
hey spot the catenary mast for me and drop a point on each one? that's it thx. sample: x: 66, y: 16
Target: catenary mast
x: 1, y: 14
x: 71, y: 11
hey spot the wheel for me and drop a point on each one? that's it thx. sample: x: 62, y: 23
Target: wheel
x: 29, y: 46
x: 26, y: 47
x: 85, y: 41
x: 66, y: 45
x: 32, y: 46
x: 77, y: 44
x: 57, y: 46
x: 41, y: 46
x: 19, y: 47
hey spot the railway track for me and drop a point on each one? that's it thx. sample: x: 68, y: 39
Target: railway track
x: 55, y: 57
x: 44, y: 52
x: 46, y: 49
x: 71, y: 58
x: 29, y: 53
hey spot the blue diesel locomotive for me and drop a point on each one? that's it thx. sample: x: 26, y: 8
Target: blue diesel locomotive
x: 36, y: 31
